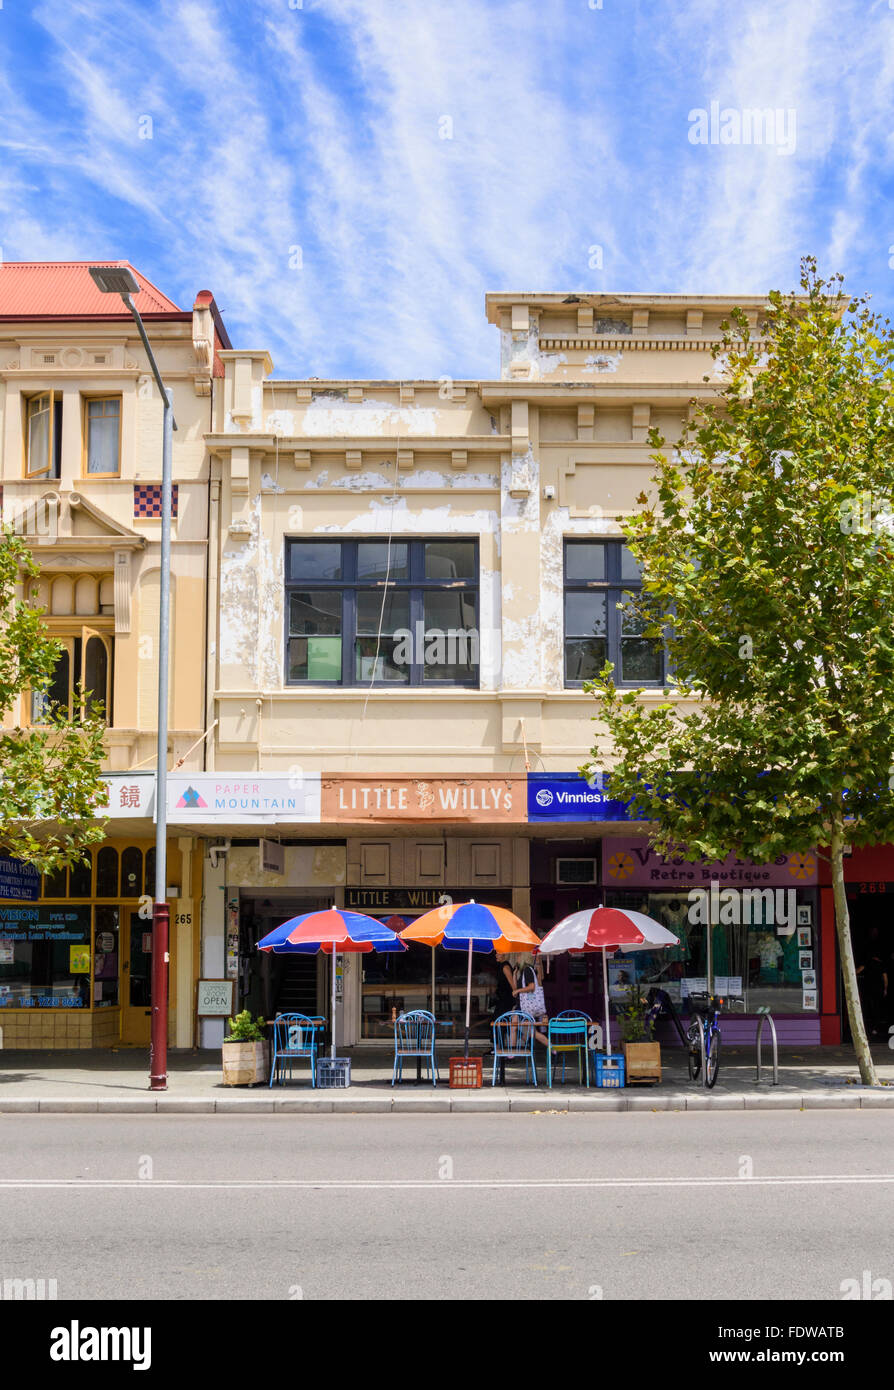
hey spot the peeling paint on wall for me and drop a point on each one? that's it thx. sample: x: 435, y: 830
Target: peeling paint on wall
x: 331, y: 415
x: 602, y: 362
x: 382, y: 514
x: 251, y: 606
x: 518, y: 347
x: 281, y: 422
x: 427, y: 478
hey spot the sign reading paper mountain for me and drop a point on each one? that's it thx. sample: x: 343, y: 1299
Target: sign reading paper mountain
x: 268, y: 798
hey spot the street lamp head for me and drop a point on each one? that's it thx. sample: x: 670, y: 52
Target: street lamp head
x: 114, y: 279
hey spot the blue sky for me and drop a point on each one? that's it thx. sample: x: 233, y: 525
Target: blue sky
x: 421, y: 152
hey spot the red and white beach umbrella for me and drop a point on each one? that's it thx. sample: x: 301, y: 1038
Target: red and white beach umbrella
x: 606, y: 929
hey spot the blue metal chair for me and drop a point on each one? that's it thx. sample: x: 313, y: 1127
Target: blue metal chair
x: 414, y: 1036
x: 294, y: 1036
x: 571, y: 1033
x: 514, y: 1039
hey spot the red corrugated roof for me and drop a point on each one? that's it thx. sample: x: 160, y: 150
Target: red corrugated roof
x: 64, y: 289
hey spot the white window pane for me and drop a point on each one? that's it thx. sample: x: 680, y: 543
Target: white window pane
x: 102, y: 444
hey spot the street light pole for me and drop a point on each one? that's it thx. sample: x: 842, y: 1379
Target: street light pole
x: 120, y: 280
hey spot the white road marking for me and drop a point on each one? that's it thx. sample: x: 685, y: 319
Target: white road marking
x: 412, y: 1184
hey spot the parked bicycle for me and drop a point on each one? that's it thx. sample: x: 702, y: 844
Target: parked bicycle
x: 703, y: 1038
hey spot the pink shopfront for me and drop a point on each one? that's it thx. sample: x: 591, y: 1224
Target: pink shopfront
x: 754, y: 929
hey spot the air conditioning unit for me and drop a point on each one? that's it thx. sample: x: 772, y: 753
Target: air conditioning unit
x: 575, y: 871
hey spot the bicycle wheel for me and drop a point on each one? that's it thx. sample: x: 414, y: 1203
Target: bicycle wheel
x: 695, y: 1051
x: 713, y: 1063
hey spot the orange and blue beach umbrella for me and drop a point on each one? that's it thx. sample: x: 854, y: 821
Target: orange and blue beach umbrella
x: 472, y: 927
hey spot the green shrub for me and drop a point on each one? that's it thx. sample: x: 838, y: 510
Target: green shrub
x: 243, y: 1029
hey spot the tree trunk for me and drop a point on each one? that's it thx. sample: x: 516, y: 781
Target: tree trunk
x: 846, y: 952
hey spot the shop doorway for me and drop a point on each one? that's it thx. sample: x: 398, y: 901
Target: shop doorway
x: 871, y: 909
x: 279, y: 983
x: 569, y: 982
x: 136, y: 980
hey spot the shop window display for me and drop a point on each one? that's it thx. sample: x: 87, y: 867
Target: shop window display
x: 753, y: 965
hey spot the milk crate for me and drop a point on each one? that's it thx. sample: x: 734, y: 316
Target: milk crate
x: 465, y: 1072
x: 609, y: 1070
x: 333, y: 1071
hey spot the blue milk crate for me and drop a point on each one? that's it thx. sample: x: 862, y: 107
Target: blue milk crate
x: 609, y: 1070
x: 333, y: 1071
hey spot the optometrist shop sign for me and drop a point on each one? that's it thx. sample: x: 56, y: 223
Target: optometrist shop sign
x: 629, y: 862
x: 18, y: 880
x: 128, y: 794
x: 238, y: 797
x: 566, y: 796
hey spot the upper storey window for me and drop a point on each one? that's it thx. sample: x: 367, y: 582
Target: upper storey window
x: 601, y: 581
x: 43, y: 435
x: 103, y: 419
x: 370, y: 612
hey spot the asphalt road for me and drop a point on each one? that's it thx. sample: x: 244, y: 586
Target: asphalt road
x: 532, y: 1206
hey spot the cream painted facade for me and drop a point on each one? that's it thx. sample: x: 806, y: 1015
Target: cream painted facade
x: 99, y: 556
x: 553, y: 447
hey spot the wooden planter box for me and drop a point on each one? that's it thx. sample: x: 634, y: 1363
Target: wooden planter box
x: 245, y: 1063
x: 642, y: 1062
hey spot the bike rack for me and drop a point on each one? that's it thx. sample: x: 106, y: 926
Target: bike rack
x: 765, y: 1017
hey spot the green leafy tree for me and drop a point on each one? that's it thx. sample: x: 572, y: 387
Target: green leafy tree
x: 50, y: 783
x: 768, y: 565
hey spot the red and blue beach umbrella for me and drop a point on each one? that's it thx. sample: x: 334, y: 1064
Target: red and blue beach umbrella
x: 331, y: 929
x: 606, y: 929
x: 334, y: 931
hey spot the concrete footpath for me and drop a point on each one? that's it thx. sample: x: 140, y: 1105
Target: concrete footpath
x: 116, y: 1082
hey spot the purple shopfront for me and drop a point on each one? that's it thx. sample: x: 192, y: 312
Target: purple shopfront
x: 755, y: 927
x: 752, y: 928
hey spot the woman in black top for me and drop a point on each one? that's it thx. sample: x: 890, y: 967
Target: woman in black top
x: 504, y: 996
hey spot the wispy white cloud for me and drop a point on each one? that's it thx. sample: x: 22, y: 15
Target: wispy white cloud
x: 421, y: 154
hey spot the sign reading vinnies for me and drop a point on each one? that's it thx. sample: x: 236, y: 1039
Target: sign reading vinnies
x: 237, y: 797
x: 567, y: 796
x: 628, y: 862
x: 473, y: 798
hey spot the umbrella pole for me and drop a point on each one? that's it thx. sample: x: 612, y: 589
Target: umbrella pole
x: 332, y: 1048
x: 468, y: 996
x: 432, y: 979
x: 608, y: 1026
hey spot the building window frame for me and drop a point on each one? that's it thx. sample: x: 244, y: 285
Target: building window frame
x: 49, y: 462
x: 613, y: 585
x: 69, y: 634
x: 100, y: 399
x: 350, y: 586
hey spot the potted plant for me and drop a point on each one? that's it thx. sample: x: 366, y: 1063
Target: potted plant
x: 642, y: 1056
x: 246, y: 1058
